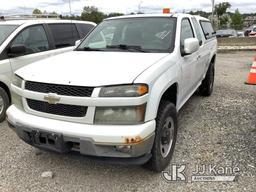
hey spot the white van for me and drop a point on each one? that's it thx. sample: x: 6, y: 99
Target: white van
x: 25, y: 41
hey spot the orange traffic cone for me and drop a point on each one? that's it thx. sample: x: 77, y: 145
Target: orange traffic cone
x: 252, y: 75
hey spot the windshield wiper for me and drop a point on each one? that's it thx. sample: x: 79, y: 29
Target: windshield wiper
x: 126, y: 47
x: 89, y: 49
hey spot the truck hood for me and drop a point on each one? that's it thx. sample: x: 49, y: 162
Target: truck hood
x: 90, y: 68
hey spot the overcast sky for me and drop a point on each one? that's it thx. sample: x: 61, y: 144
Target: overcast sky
x: 124, y: 6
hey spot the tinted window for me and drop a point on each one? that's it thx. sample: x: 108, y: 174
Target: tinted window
x: 34, y: 38
x: 197, y: 30
x: 186, y: 31
x: 5, y: 31
x: 64, y: 35
x: 85, y: 29
x: 207, y: 29
x: 147, y: 34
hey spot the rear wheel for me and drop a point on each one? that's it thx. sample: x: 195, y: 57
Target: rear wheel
x: 165, y: 137
x: 206, y: 87
x: 4, y: 104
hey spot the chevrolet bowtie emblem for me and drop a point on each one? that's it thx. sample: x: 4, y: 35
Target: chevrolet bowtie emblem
x: 52, y: 98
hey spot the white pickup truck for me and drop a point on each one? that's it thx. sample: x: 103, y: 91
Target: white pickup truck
x: 117, y: 95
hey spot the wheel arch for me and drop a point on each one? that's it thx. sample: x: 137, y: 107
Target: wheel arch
x: 6, y: 88
x: 170, y: 94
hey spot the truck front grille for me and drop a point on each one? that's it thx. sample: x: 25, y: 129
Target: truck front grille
x: 58, y: 109
x: 67, y: 90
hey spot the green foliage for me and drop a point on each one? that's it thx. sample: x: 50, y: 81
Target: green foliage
x: 114, y: 15
x: 91, y: 13
x: 37, y: 11
x: 221, y: 8
x: 224, y: 20
x: 237, y: 20
x: 201, y: 13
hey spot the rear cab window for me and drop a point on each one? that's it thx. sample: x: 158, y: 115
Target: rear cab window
x: 64, y: 34
x: 208, y: 30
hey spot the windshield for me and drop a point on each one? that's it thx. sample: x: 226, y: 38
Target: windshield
x: 5, y: 31
x: 132, y: 34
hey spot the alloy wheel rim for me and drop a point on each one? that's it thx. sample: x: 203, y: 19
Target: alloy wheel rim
x: 166, y: 139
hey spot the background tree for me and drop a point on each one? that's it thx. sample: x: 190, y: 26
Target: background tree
x: 201, y: 13
x: 224, y: 21
x: 237, y: 20
x: 37, y: 11
x: 221, y: 12
x: 91, y: 13
x: 54, y: 13
x: 114, y: 14
x: 221, y: 8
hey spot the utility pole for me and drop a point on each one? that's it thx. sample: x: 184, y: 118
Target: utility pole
x: 213, y: 4
x: 70, y: 12
x: 139, y: 6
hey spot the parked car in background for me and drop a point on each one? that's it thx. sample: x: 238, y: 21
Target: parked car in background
x: 240, y: 34
x: 248, y: 30
x: 25, y: 41
x: 117, y: 95
x: 253, y: 32
x: 226, y: 33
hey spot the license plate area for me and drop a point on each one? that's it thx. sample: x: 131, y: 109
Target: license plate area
x: 50, y: 141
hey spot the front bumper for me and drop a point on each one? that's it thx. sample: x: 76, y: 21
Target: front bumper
x: 122, y: 141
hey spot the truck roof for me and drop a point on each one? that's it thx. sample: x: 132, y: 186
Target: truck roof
x: 158, y: 15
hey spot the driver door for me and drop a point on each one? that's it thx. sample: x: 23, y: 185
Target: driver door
x: 188, y: 63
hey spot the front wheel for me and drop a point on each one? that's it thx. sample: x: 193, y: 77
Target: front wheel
x: 4, y: 104
x: 165, y: 137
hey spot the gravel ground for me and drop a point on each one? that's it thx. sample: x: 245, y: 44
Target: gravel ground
x: 218, y: 130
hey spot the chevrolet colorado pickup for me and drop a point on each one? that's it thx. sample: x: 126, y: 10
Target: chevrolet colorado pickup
x: 117, y: 95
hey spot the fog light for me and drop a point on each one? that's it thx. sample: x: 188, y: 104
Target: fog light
x: 123, y: 148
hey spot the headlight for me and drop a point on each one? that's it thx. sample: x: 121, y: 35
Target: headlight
x: 124, y: 91
x: 17, y: 81
x: 129, y: 115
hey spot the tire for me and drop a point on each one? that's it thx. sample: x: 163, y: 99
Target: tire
x: 167, y: 114
x: 206, y: 88
x: 4, y: 104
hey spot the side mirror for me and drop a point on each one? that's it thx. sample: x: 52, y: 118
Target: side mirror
x: 17, y: 50
x: 78, y: 42
x: 191, y: 45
